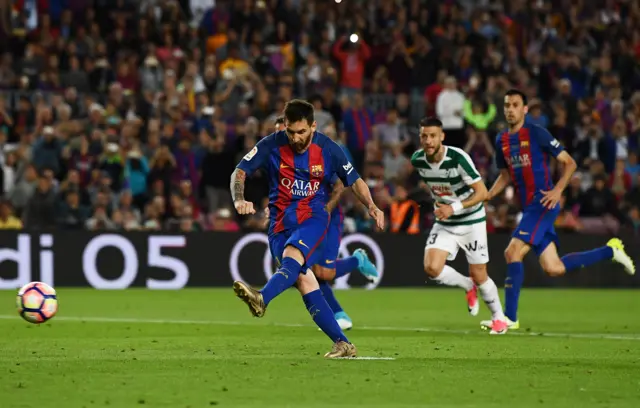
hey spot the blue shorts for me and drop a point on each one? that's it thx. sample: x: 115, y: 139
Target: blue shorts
x: 331, y: 246
x: 307, y: 237
x: 536, y: 227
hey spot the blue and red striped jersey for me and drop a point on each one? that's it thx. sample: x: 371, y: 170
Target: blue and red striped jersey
x: 300, y: 185
x: 526, y: 155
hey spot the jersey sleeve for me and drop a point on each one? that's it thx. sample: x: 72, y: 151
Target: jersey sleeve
x: 500, y: 162
x: 342, y: 167
x: 546, y: 141
x: 257, y: 157
x: 467, y: 169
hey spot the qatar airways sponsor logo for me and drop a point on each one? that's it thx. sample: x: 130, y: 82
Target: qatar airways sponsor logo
x: 300, y: 188
x: 519, y: 160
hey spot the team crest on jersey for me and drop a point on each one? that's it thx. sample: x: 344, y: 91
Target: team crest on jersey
x: 524, y: 143
x: 317, y: 170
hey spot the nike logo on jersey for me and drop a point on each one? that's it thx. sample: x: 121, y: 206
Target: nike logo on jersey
x: 328, y: 261
x: 284, y: 166
x: 303, y: 244
x: 523, y: 233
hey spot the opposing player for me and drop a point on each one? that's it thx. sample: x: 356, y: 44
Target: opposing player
x: 329, y: 266
x: 522, y: 155
x: 301, y: 163
x: 459, y: 193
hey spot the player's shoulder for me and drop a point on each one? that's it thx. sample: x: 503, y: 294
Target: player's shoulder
x: 501, y: 134
x: 457, y: 154
x: 535, y: 129
x: 325, y: 143
x: 418, y: 156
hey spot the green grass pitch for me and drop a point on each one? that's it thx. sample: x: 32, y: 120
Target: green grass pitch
x: 201, y: 348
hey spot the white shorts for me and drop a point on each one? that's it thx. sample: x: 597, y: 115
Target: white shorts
x: 471, y: 238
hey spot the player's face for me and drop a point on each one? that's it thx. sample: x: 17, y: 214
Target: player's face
x: 299, y: 134
x: 514, y: 109
x: 431, y: 138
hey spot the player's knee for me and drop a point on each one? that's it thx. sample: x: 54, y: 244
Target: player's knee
x: 292, y: 252
x: 323, y: 273
x: 307, y: 283
x: 554, y: 269
x: 433, y: 268
x: 478, y: 273
x: 512, y: 254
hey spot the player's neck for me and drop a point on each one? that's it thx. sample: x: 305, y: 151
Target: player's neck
x: 515, y: 128
x: 437, y: 158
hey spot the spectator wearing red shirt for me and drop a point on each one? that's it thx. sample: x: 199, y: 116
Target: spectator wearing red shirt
x: 352, y: 59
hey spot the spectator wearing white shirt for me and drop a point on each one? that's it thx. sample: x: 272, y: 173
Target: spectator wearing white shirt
x: 449, y: 109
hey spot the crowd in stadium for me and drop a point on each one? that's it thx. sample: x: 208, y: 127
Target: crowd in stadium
x: 133, y: 114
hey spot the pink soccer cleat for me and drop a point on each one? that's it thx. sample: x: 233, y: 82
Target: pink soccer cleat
x: 499, y: 327
x: 472, y: 301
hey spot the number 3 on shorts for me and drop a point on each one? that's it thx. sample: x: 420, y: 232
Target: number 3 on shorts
x: 432, y: 239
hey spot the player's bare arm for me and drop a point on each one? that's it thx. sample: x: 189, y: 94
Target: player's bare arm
x: 551, y: 198
x: 479, y: 195
x: 362, y: 192
x: 338, y: 188
x: 238, y: 178
x: 499, y: 185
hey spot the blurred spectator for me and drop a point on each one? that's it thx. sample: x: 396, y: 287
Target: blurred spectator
x: 7, y: 219
x: 450, y: 110
x: 40, y: 210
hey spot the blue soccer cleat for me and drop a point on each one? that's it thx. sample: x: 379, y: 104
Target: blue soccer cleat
x: 344, y: 321
x: 365, y: 266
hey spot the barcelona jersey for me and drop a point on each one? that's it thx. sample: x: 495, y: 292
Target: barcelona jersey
x: 300, y: 185
x: 526, y: 154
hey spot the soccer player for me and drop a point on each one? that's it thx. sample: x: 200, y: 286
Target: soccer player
x: 522, y: 155
x: 459, y: 194
x: 330, y: 267
x: 301, y: 163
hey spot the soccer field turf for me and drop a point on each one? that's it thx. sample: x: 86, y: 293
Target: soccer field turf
x: 197, y: 348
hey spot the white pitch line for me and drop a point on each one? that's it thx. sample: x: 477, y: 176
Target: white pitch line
x: 595, y: 336
x: 365, y: 358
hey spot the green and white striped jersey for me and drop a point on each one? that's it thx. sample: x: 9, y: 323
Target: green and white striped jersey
x: 449, y: 181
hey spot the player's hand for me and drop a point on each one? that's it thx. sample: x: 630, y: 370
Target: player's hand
x: 551, y: 198
x: 244, y: 207
x: 266, y: 213
x: 377, y: 215
x: 443, y: 211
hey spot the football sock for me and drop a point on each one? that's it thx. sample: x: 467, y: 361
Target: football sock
x: 329, y: 296
x: 321, y: 314
x: 512, y: 285
x: 583, y: 259
x: 285, y: 277
x: 489, y: 293
x: 345, y: 266
x: 451, y: 277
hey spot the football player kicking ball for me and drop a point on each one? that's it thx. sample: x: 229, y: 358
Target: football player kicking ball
x: 522, y: 155
x: 301, y: 164
x: 330, y: 267
x: 459, y: 194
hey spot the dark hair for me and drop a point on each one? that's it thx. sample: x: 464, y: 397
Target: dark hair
x: 517, y: 92
x: 296, y: 110
x: 279, y: 120
x: 431, y: 121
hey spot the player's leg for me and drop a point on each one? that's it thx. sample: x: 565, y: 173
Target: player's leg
x: 475, y: 245
x: 325, y: 275
x: 289, y: 261
x: 553, y: 265
x: 514, y: 255
x: 442, y: 246
x: 323, y: 316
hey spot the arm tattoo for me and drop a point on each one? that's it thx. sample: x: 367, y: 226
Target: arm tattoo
x: 237, y: 185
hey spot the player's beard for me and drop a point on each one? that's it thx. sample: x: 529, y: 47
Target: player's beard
x: 300, y: 147
x: 436, y: 150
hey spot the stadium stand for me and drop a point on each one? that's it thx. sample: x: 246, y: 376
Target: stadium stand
x: 132, y: 114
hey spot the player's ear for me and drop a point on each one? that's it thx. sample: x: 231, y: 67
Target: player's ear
x: 526, y: 110
x: 441, y: 135
x: 314, y: 126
